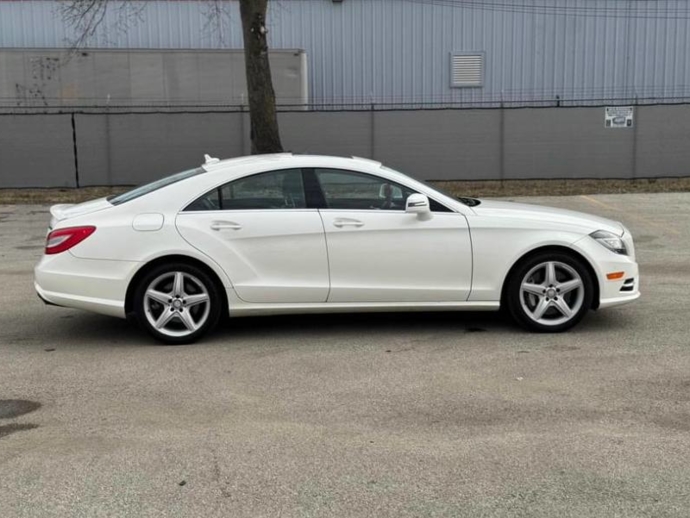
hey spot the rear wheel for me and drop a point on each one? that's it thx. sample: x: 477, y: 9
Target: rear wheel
x: 177, y: 303
x: 550, y: 292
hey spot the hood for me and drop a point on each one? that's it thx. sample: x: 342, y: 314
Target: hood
x: 71, y: 210
x: 553, y: 216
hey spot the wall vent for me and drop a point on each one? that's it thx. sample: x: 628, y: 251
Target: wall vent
x: 466, y: 69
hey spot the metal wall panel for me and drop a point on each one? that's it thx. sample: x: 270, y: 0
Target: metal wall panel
x: 663, y: 141
x: 36, y: 151
x: 130, y: 149
x: 398, y: 51
x: 554, y: 143
x: 441, y: 144
x: 566, y: 143
x: 327, y: 133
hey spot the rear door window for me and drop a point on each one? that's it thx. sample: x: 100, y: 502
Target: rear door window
x: 264, y: 191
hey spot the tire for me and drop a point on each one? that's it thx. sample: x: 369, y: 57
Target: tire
x: 549, y: 292
x: 177, y: 303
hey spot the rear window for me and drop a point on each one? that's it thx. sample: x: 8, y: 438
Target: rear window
x: 153, y: 186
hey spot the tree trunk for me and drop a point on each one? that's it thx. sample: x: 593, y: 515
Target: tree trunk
x: 265, y: 136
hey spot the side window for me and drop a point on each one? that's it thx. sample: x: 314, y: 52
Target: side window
x: 357, y: 191
x: 437, y: 207
x: 209, y: 201
x: 274, y: 190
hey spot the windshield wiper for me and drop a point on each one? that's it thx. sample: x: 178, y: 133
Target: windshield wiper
x: 470, y: 202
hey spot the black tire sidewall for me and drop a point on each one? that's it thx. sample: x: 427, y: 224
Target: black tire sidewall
x: 214, y: 296
x: 513, y: 291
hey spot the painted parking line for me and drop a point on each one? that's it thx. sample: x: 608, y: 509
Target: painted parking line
x: 635, y: 217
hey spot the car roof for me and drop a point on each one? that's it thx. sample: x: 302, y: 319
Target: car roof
x: 287, y: 160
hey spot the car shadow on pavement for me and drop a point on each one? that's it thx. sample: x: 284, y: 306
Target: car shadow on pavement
x: 79, y: 328
x: 380, y: 323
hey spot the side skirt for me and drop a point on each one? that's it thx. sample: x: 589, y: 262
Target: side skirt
x: 246, y: 310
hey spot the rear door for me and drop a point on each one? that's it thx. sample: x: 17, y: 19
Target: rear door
x: 259, y: 230
x: 379, y: 253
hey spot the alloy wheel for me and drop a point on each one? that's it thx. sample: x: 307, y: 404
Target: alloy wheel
x: 177, y: 304
x: 552, y: 293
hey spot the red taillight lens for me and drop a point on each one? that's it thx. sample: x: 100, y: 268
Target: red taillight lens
x: 65, y: 238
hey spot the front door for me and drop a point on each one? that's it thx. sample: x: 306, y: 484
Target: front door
x: 379, y: 253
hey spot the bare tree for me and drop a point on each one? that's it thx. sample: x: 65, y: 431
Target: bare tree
x: 262, y: 97
x: 85, y: 16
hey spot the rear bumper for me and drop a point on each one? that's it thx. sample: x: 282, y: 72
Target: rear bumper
x: 93, y: 285
x: 69, y: 300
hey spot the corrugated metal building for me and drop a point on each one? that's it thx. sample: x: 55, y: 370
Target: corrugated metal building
x: 419, y: 52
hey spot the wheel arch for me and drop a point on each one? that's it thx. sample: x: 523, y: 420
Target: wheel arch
x: 179, y: 258
x: 555, y: 248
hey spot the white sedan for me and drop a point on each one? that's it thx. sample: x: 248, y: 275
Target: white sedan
x: 279, y: 234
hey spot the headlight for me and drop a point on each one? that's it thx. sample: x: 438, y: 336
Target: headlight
x: 610, y: 241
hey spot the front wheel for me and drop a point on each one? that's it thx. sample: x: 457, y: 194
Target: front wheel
x: 177, y: 303
x: 550, y: 292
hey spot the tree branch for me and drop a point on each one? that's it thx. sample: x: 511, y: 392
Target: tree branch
x: 86, y: 16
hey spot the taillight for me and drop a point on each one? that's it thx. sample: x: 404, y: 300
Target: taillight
x: 65, y: 238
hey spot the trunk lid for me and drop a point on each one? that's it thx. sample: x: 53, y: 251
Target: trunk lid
x: 65, y: 211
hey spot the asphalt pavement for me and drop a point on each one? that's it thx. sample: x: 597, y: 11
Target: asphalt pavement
x: 409, y: 415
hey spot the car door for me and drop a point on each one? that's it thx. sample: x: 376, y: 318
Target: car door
x: 259, y: 229
x: 379, y: 253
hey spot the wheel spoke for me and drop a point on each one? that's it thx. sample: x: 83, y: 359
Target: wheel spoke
x: 550, y: 279
x: 178, y: 284
x: 569, y: 286
x: 193, y: 300
x: 165, y: 317
x: 541, y: 308
x: 187, y: 320
x: 158, y: 296
x: 534, y: 289
x: 563, y: 307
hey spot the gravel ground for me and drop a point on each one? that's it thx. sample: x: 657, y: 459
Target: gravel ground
x: 427, y: 415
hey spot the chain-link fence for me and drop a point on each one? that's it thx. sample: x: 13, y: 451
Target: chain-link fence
x: 85, y: 146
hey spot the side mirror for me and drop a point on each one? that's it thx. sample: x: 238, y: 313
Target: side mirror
x: 418, y: 204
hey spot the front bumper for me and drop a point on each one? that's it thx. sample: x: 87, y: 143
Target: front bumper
x: 612, y: 292
x: 619, y: 301
x: 90, y: 284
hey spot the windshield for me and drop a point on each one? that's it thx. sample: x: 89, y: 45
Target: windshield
x: 470, y: 202
x: 153, y: 186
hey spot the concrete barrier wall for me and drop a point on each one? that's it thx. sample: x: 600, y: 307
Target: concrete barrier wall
x: 95, y: 77
x: 491, y: 144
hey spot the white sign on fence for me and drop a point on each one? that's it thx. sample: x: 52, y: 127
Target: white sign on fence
x: 619, y: 117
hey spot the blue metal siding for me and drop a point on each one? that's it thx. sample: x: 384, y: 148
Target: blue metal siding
x: 398, y: 51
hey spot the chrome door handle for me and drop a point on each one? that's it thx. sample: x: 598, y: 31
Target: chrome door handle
x: 340, y: 223
x: 225, y: 225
